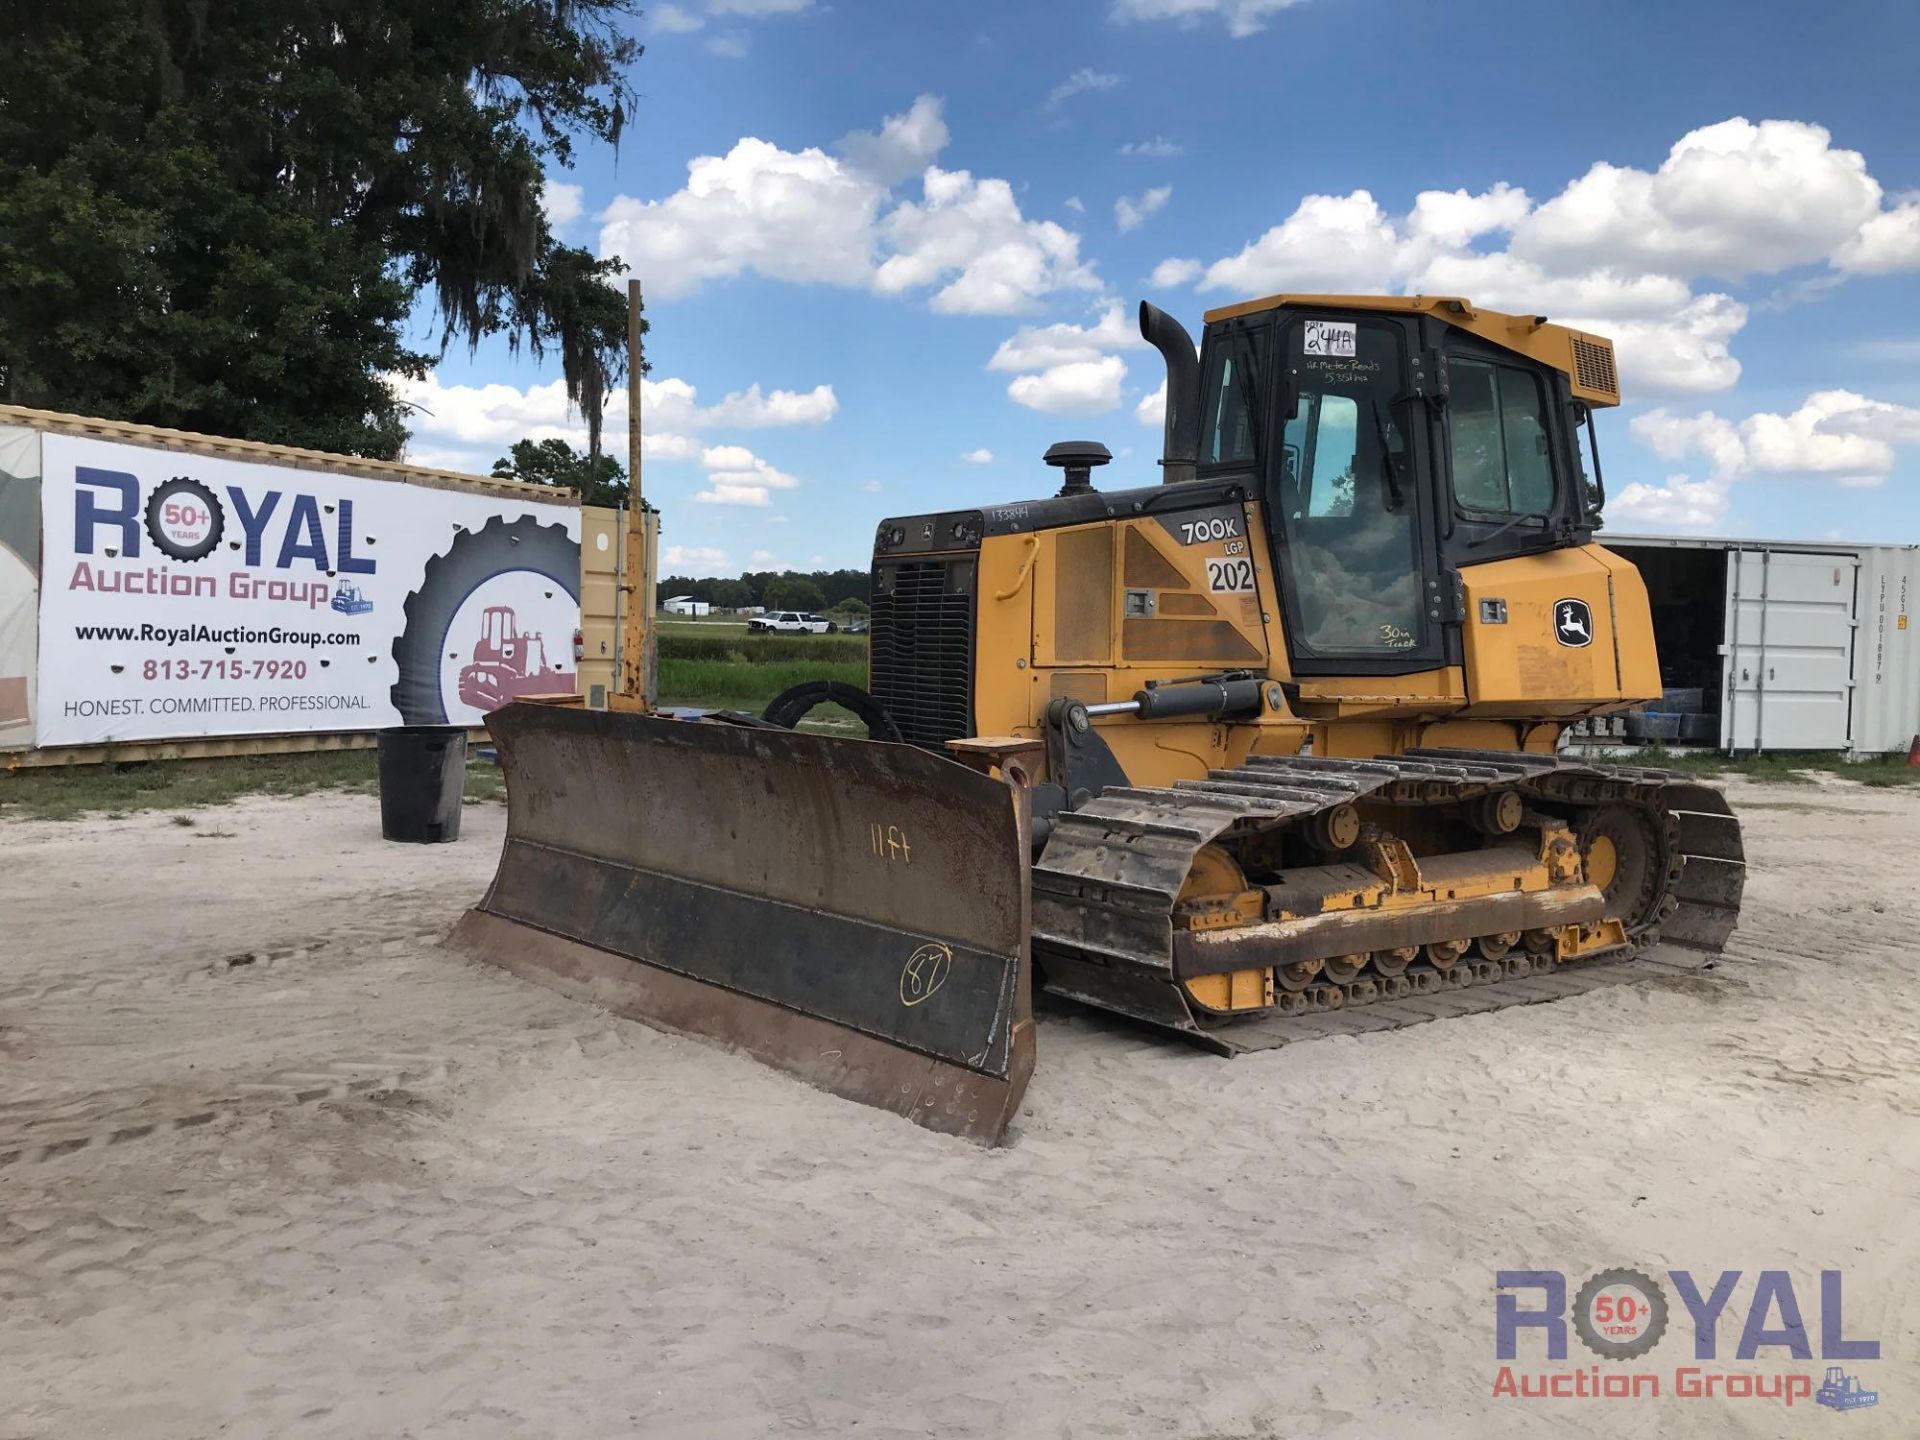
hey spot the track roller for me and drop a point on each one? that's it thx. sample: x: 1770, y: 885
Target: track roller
x: 1495, y: 947
x: 1344, y: 969
x: 1395, y: 962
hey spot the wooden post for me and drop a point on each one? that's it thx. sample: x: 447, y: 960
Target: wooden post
x: 636, y: 661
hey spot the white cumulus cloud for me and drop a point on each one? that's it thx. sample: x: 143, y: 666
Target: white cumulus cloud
x: 1071, y: 368
x: 1835, y: 434
x: 1039, y: 347
x: 982, y: 456
x: 1171, y: 272
x: 469, y: 426
x: 674, y: 19
x: 1083, y: 387
x: 904, y: 145
x: 1152, y: 410
x: 808, y: 216
x: 1242, y: 17
x: 970, y: 234
x: 1678, y: 504
x: 737, y: 476
x: 1131, y: 212
x: 695, y: 560
x: 789, y: 215
x: 1887, y: 242
x: 1619, y: 251
x: 1084, y: 80
x: 561, y: 202
x: 1730, y: 200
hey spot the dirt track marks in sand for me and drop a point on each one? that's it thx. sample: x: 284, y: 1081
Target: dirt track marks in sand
x: 575, y: 1225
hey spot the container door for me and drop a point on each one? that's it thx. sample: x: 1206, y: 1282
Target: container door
x: 601, y: 534
x: 1789, y: 651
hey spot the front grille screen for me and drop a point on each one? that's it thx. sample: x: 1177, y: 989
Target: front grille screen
x: 921, y: 666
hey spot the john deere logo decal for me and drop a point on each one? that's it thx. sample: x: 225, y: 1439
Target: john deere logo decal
x: 1572, y: 623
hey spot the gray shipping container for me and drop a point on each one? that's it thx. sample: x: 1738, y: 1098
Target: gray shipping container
x: 1796, y: 645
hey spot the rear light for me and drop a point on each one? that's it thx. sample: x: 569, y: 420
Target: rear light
x: 579, y: 647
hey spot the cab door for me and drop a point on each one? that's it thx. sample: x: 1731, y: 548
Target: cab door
x: 1350, y: 506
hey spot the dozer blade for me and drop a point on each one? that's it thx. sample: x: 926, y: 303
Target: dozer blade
x: 854, y: 913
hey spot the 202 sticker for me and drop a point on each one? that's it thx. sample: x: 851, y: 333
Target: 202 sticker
x: 1230, y: 577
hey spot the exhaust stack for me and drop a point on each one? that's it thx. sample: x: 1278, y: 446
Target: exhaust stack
x: 1180, y: 446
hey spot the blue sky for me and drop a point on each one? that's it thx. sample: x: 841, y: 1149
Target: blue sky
x: 885, y: 240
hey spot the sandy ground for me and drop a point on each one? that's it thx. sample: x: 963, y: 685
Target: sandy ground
x: 282, y: 1166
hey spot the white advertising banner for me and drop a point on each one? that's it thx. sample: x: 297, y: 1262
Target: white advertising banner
x: 184, y: 595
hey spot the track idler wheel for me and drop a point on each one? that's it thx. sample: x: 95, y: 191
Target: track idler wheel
x: 1624, y: 856
x: 1442, y: 953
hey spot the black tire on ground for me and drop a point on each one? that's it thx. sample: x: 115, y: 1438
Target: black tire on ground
x: 791, y: 706
x: 496, y: 548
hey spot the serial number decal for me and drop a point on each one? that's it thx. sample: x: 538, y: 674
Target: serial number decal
x: 1230, y: 577
x: 1215, y: 527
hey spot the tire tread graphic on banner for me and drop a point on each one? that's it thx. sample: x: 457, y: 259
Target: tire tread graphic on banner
x: 170, y: 493
x: 476, y: 556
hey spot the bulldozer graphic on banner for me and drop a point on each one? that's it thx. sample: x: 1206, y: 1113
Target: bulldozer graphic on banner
x: 509, y: 663
x: 1265, y: 751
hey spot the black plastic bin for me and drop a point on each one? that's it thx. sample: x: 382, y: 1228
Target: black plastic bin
x: 423, y: 773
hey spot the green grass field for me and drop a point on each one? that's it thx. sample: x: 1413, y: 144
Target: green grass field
x: 739, y: 671
x: 69, y: 791
x: 729, y: 685
x: 1881, y: 772
x: 702, y: 665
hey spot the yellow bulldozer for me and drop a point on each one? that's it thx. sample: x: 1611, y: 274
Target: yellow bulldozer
x: 1267, y: 750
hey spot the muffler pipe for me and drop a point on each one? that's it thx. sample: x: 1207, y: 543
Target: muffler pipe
x: 1180, y: 444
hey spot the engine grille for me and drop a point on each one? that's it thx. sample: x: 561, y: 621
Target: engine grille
x: 1593, y: 368
x: 921, y: 666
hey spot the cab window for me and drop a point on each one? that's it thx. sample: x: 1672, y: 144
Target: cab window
x: 1231, y: 392
x: 1502, y: 455
x: 1347, y: 492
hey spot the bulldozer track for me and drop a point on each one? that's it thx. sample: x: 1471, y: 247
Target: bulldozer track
x: 1105, y: 888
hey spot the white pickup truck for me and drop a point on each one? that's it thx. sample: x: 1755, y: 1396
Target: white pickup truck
x: 791, y: 622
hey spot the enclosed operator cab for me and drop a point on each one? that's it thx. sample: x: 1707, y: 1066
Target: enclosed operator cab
x: 1402, y: 446
x: 1383, y: 503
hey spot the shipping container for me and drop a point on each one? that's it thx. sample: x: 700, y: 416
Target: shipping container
x: 1778, y: 645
